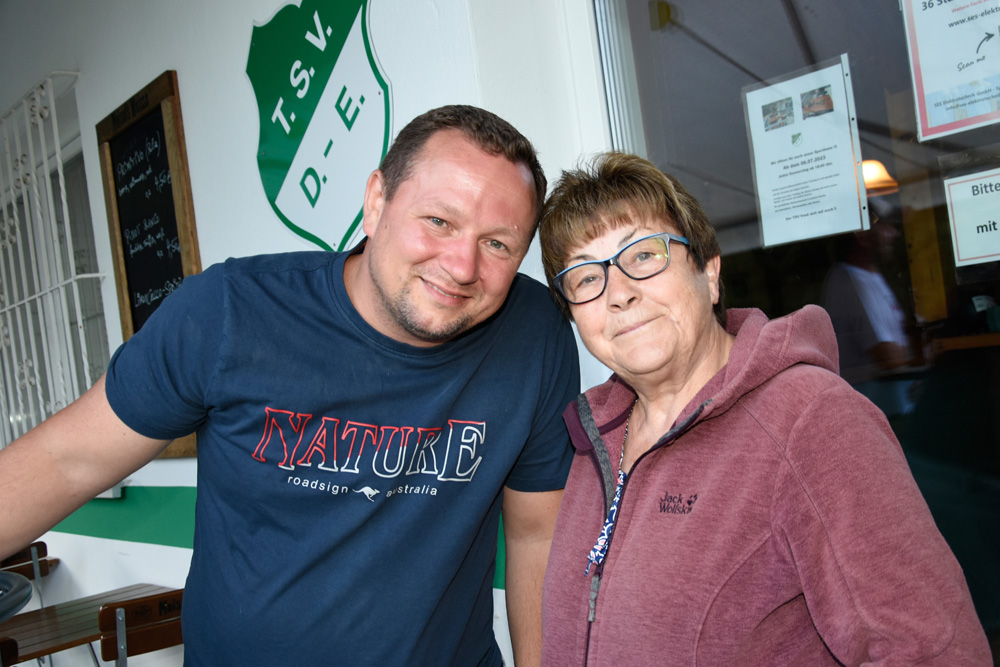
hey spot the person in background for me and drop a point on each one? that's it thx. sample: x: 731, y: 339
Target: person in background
x: 362, y: 417
x: 732, y: 500
x: 868, y: 320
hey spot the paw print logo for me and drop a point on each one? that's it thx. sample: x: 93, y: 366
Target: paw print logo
x: 691, y: 499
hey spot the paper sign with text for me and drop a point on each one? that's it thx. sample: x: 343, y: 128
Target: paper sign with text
x: 974, y: 212
x: 955, y: 62
x: 806, y: 154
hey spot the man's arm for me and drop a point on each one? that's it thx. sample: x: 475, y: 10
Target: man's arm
x: 529, y: 520
x: 62, y: 463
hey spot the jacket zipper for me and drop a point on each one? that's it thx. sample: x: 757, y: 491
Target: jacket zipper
x: 665, y: 441
x: 595, y: 582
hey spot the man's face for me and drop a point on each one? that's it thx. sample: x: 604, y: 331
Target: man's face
x: 441, y: 255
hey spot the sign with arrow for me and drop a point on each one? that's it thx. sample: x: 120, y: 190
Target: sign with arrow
x: 324, y: 112
x: 955, y: 63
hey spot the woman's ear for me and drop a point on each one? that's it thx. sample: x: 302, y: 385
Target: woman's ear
x: 713, y: 269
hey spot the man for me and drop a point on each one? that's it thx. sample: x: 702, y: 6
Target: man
x: 361, y: 418
x: 868, y: 320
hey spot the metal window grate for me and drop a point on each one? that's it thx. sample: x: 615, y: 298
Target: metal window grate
x: 53, y: 339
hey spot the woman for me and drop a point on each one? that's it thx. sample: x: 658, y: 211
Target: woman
x: 732, y: 501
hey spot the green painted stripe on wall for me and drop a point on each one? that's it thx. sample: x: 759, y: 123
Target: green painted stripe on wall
x: 164, y: 515
x: 149, y: 514
x: 498, y: 575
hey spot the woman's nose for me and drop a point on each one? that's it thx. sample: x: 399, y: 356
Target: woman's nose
x: 620, y: 290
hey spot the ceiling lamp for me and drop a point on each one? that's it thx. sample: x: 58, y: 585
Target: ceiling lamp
x: 878, y: 182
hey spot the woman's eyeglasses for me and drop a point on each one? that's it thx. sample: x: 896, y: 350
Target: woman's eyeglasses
x: 640, y: 259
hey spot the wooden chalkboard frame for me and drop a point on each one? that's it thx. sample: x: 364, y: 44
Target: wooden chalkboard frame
x: 160, y: 94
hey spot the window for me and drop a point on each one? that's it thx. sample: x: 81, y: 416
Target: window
x: 53, y: 341
x: 675, y: 73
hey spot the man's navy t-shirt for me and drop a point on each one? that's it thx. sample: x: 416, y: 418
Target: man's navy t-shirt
x: 349, y: 486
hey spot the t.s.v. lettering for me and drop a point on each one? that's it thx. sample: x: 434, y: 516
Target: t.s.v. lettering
x: 450, y: 453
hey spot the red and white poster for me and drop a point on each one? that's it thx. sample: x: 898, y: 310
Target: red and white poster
x: 954, y: 49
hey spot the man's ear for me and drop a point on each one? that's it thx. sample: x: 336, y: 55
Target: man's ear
x: 374, y: 202
x: 713, y: 269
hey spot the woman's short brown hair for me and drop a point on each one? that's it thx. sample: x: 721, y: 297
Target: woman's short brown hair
x: 616, y: 190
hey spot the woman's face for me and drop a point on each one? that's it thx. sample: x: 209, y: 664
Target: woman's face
x: 656, y: 328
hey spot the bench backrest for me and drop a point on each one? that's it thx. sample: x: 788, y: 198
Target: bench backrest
x: 150, y: 623
x: 8, y: 651
x: 22, y: 562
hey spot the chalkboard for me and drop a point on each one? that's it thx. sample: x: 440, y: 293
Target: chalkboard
x: 147, y: 192
x: 146, y: 217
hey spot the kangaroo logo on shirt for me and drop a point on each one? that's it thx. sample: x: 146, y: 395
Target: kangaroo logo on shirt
x: 324, y: 107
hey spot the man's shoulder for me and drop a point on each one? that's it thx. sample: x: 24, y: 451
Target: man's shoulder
x: 305, y: 261
x: 522, y: 281
x: 247, y: 275
x: 529, y: 296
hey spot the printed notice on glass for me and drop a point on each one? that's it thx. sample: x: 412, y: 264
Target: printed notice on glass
x: 806, y: 155
x: 955, y: 62
x: 974, y: 212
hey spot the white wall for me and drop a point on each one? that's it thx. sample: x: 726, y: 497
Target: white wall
x: 538, y: 66
x: 534, y: 62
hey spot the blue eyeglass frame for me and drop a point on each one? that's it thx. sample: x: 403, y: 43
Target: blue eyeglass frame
x: 613, y: 260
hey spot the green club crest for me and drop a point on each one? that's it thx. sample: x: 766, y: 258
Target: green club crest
x: 324, y: 116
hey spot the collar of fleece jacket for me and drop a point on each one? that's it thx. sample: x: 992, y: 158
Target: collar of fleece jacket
x: 763, y: 348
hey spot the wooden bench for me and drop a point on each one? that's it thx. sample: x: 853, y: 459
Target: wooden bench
x: 38, y: 633
x: 8, y: 651
x: 23, y: 562
x: 140, y: 625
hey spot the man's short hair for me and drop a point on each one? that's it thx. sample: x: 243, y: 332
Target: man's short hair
x: 619, y: 189
x: 488, y: 131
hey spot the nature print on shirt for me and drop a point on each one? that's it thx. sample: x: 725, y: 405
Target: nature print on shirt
x: 449, y: 454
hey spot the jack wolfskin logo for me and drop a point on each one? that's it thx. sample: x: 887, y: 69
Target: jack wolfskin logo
x: 324, y: 116
x: 677, y: 504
